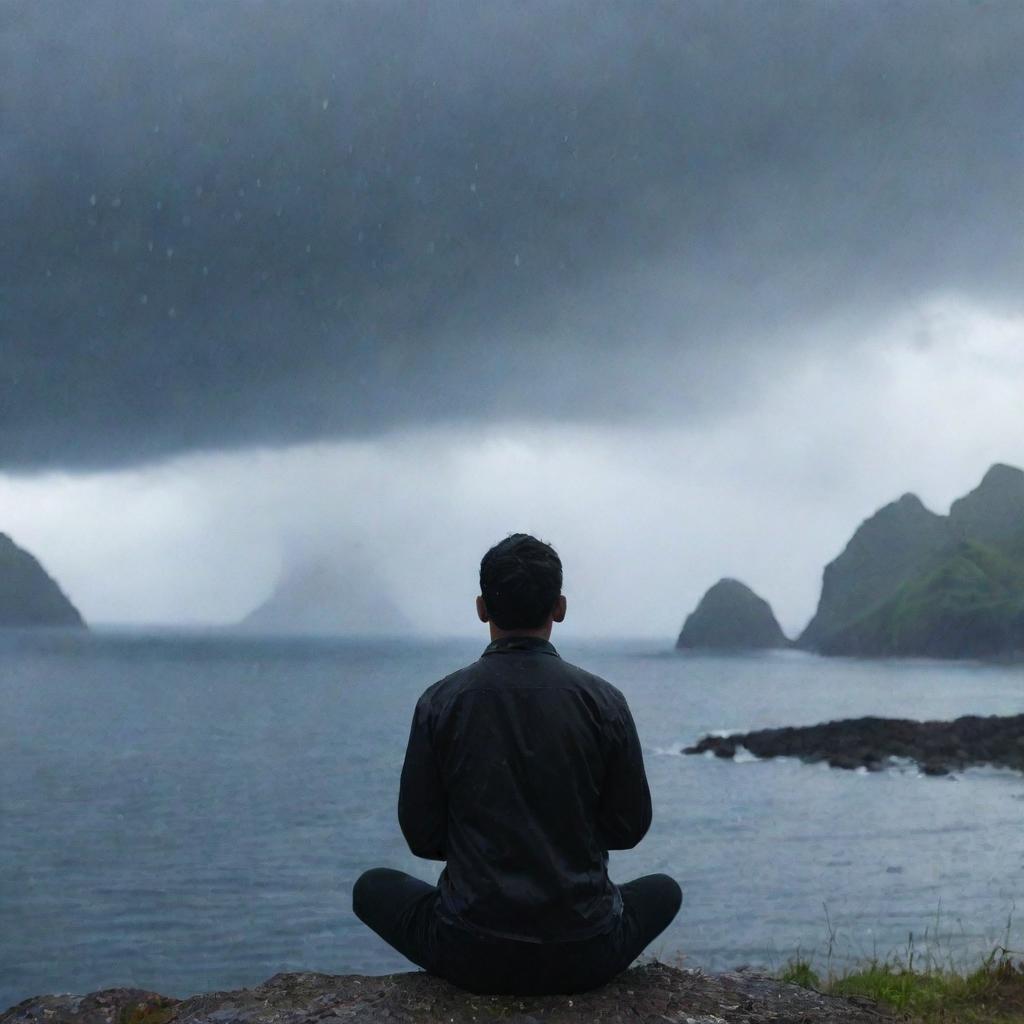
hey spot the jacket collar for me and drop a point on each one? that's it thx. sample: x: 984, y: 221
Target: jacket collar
x: 528, y: 644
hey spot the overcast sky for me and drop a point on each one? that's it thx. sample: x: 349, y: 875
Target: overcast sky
x: 689, y: 289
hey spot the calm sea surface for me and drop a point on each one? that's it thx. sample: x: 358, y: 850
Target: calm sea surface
x: 189, y: 813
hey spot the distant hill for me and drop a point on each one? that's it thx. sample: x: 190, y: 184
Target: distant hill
x: 28, y: 595
x: 911, y: 582
x: 730, y: 617
x: 320, y: 597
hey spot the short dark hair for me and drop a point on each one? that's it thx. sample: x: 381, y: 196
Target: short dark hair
x: 520, y: 581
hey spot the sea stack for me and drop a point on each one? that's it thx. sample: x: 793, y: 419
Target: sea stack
x: 29, y: 596
x: 731, y: 617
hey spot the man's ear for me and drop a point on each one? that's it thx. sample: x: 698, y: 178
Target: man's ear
x: 481, y: 610
x: 558, y: 612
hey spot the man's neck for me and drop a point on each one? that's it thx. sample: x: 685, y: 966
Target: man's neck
x: 497, y: 633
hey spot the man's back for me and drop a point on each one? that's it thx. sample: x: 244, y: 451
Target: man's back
x: 522, y: 771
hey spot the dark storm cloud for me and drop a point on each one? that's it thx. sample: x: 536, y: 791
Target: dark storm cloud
x: 237, y: 223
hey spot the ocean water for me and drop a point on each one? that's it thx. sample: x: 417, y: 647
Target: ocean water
x: 187, y: 813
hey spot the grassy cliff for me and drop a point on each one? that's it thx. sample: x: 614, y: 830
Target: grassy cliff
x: 968, y: 603
x: 911, y: 582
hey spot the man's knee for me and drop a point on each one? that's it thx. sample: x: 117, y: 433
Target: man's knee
x: 654, y: 899
x: 362, y: 892
x: 672, y: 893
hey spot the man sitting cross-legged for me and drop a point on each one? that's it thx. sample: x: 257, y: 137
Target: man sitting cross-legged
x: 522, y: 772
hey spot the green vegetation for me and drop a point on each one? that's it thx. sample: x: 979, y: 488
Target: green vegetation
x: 800, y: 972
x: 970, y: 602
x: 992, y: 993
x: 914, y: 583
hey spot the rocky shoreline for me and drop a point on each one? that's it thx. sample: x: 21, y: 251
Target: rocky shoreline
x: 649, y: 994
x: 938, y: 748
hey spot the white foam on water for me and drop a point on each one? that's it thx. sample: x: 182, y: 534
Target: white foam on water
x: 674, y: 750
x: 744, y: 756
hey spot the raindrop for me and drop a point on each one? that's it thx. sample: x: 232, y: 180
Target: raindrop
x: 238, y: 216
x: 92, y: 199
x: 169, y: 251
x: 116, y: 202
x: 159, y: 204
x: 143, y: 299
x: 172, y: 312
x: 516, y: 261
x: 472, y: 186
x: 324, y: 105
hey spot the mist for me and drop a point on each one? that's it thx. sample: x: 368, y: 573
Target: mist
x: 645, y: 517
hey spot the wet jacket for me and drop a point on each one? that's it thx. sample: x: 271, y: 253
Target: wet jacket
x: 521, y: 772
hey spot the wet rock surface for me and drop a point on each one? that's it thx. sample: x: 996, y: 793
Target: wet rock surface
x: 937, y: 747
x: 644, y: 995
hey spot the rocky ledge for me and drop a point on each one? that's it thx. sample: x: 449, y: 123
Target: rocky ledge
x: 653, y: 993
x: 937, y: 747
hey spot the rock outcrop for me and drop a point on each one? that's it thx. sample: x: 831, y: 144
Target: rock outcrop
x: 29, y: 596
x: 936, y: 747
x: 731, y: 617
x: 911, y: 582
x: 317, y: 597
x: 651, y: 994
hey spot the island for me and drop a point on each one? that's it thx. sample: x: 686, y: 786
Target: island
x: 29, y: 596
x: 731, y: 617
x: 914, y: 583
x: 319, y: 597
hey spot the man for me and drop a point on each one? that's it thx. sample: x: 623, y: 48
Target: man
x: 521, y: 772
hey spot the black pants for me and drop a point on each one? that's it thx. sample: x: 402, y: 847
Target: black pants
x: 402, y: 911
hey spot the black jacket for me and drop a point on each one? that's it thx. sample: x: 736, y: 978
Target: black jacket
x: 522, y: 771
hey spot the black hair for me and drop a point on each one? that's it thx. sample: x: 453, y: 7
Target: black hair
x: 520, y: 581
